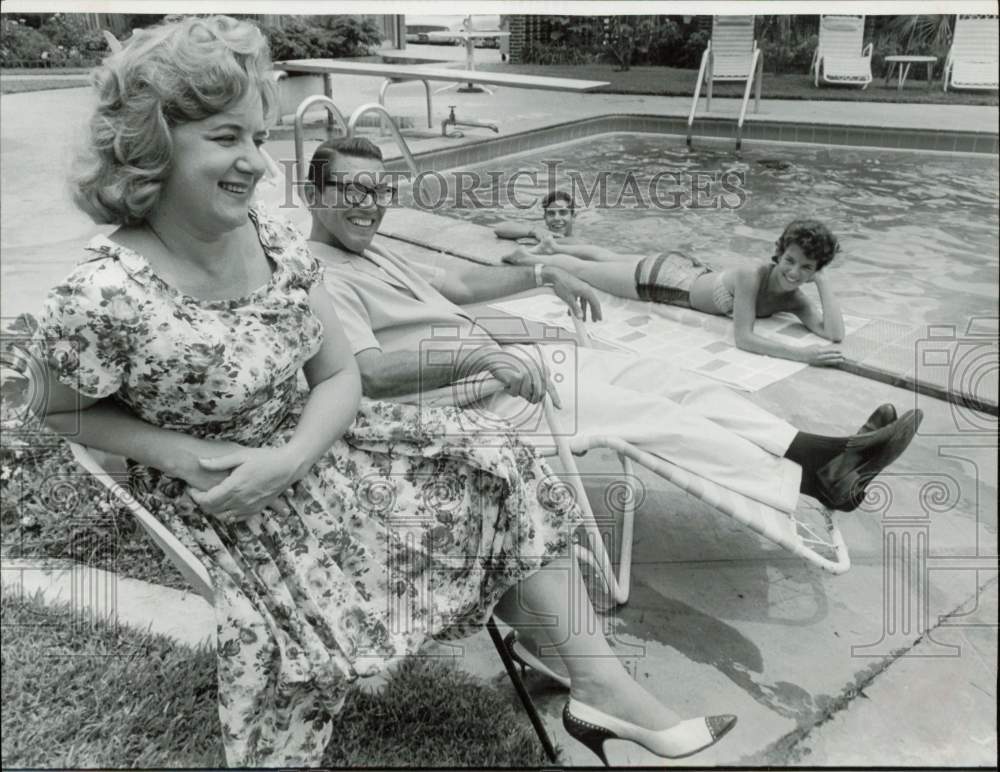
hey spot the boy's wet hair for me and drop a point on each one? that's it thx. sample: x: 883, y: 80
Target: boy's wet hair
x: 813, y: 238
x: 556, y: 195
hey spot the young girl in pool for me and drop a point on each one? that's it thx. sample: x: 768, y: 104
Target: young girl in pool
x: 745, y: 293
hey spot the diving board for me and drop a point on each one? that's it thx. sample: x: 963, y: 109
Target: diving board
x: 400, y: 73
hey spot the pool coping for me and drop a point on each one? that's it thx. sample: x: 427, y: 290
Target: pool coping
x: 705, y: 129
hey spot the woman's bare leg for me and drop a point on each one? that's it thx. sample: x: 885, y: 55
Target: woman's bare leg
x: 557, y: 598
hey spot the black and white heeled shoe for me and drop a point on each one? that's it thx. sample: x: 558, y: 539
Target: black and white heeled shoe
x: 526, y: 659
x: 592, y: 728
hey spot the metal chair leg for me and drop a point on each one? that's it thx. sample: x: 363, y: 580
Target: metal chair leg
x: 522, y: 692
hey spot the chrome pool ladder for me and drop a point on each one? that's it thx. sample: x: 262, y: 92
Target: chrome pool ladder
x: 756, y: 68
x: 347, y: 128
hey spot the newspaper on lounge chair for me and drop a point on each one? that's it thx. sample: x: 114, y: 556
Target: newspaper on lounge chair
x: 692, y: 340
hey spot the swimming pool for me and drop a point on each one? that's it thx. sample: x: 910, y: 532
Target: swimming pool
x: 918, y: 230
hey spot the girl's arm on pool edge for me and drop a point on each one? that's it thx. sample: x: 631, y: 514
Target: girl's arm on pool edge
x: 747, y: 281
x: 829, y: 324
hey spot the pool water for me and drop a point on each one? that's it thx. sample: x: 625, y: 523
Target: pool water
x: 918, y: 232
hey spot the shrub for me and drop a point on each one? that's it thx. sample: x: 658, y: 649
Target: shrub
x: 664, y: 43
x: 693, y: 48
x: 323, y: 36
x: 552, y: 53
x: 20, y: 43
x: 781, y: 56
x: 70, y: 31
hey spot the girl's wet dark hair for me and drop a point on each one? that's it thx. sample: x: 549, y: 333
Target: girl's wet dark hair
x: 812, y: 237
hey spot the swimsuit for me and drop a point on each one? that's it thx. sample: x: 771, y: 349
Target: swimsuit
x: 723, y: 298
x: 669, y: 277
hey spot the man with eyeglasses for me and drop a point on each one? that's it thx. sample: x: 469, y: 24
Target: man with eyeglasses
x: 559, y: 214
x: 390, y: 308
x: 388, y: 305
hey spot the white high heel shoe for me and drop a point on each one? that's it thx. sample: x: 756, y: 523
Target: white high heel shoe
x: 592, y: 728
x: 526, y: 659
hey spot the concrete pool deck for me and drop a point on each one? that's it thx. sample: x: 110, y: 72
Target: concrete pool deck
x: 893, y: 663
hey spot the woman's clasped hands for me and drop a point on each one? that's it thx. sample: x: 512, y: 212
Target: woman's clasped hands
x: 241, y: 481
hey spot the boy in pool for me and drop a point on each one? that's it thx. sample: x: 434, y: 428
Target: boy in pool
x: 745, y: 293
x: 559, y: 211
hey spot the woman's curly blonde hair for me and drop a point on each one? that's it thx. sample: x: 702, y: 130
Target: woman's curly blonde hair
x: 176, y: 72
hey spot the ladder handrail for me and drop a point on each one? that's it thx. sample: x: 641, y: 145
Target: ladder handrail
x: 400, y: 141
x: 300, y: 113
x: 746, y: 96
x: 697, y: 91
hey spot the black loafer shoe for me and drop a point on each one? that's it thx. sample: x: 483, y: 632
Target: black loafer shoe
x: 883, y: 416
x: 843, y: 482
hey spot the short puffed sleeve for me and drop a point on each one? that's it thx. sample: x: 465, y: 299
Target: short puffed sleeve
x: 86, y: 328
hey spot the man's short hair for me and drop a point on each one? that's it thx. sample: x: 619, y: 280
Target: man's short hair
x: 326, y: 154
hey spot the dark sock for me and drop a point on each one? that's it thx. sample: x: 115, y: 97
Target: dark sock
x: 812, y: 451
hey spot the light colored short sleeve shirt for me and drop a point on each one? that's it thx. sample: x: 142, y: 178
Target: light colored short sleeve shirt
x: 389, y: 303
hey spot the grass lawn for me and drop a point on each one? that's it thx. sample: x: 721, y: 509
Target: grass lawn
x: 78, y: 695
x: 93, y: 706
x: 8, y: 86
x: 670, y: 81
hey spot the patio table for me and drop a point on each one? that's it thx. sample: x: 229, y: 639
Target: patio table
x: 469, y: 37
x: 903, y: 63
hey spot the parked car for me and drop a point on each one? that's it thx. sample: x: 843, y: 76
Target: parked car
x: 417, y: 33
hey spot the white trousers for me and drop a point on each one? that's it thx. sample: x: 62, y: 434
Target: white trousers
x: 684, y: 418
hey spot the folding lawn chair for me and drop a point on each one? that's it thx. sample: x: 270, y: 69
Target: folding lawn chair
x: 839, y: 56
x: 198, y: 576
x: 972, y: 60
x: 731, y: 55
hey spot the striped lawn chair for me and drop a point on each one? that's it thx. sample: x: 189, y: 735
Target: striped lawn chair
x: 972, y: 60
x: 839, y: 56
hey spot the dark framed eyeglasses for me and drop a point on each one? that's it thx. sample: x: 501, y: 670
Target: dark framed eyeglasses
x: 358, y: 195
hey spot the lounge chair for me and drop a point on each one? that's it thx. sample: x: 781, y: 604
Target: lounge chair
x: 731, y: 55
x: 809, y: 533
x: 839, y: 56
x: 972, y: 60
x: 198, y: 576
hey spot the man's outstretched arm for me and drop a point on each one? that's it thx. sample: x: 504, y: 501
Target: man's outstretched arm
x: 477, y: 283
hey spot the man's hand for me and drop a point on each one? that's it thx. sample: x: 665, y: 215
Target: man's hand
x: 522, y: 376
x: 577, y: 294
x: 546, y: 245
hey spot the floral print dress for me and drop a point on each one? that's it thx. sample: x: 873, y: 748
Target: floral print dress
x: 411, y: 525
